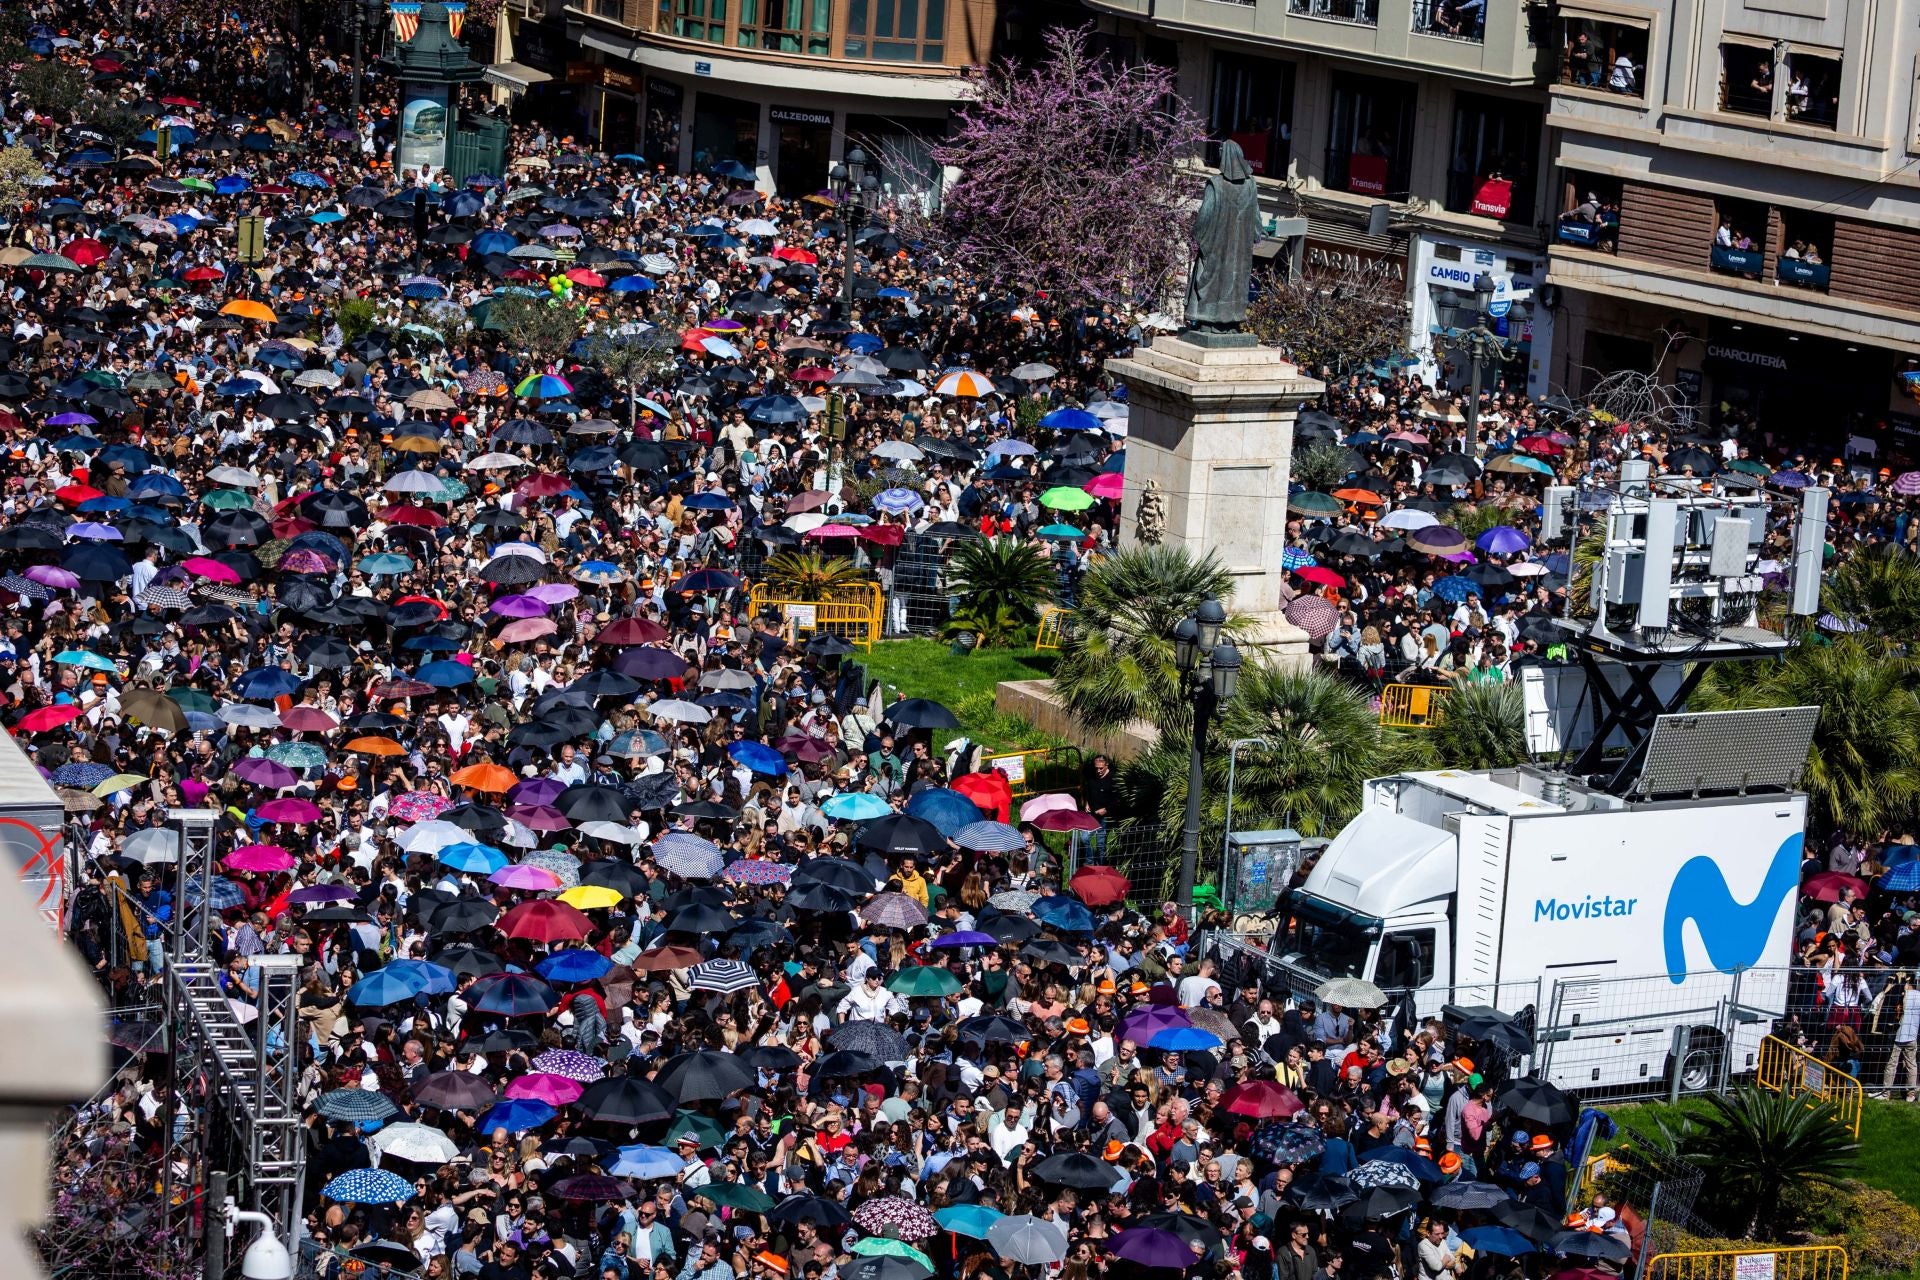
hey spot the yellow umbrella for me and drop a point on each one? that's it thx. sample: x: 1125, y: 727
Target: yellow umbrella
x: 118, y: 782
x: 592, y: 897
x: 247, y: 309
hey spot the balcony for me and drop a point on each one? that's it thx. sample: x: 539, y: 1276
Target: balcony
x: 1739, y: 262
x: 1601, y: 236
x: 1361, y: 13
x: 1803, y: 274
x: 1464, y: 20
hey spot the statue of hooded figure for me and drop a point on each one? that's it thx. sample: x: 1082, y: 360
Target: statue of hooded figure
x: 1224, y: 232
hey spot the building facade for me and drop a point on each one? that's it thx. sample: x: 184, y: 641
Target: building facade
x: 777, y: 85
x: 1435, y: 109
x: 1738, y: 191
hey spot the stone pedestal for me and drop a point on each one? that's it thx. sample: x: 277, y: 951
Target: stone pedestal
x: 1212, y: 424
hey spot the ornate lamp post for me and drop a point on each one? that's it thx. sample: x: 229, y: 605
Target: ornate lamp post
x: 1469, y: 325
x: 854, y: 185
x: 1210, y: 666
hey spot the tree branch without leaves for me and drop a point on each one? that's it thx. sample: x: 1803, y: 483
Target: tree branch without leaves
x: 1332, y: 320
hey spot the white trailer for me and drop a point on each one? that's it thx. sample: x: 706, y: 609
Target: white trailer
x: 1622, y: 928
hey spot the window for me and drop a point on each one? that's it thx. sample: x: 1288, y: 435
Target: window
x: 700, y: 20
x: 1253, y: 105
x: 1805, y: 240
x: 1603, y: 55
x: 897, y: 30
x: 1370, y: 151
x: 1451, y: 19
x: 1406, y: 960
x: 1366, y: 13
x: 1813, y: 89
x: 787, y: 26
x: 1746, y: 80
x: 1589, y: 212
x: 1496, y: 144
x: 1740, y: 238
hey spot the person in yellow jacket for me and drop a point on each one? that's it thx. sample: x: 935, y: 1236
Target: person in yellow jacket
x: 912, y: 883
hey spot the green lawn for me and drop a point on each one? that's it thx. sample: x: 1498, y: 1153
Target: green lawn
x: 929, y: 669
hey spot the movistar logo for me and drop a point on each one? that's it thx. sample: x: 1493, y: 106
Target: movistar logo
x: 1593, y: 907
x: 1734, y: 933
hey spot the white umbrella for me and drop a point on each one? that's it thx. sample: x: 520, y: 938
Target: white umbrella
x: 617, y: 832
x: 1526, y: 569
x: 155, y: 844
x: 658, y: 264
x: 1408, y: 519
x: 758, y: 227
x: 680, y: 710
x: 898, y: 450
x: 234, y: 478
x: 1107, y: 410
x: 413, y: 482
x: 1026, y: 1239
x: 495, y: 462
x: 415, y: 1142
x: 1036, y: 371
x: 805, y: 522
x: 432, y: 835
x: 910, y: 390
x: 267, y: 385
x: 526, y: 549
x: 1350, y: 993
x: 247, y: 715
x: 318, y: 378
x: 518, y: 835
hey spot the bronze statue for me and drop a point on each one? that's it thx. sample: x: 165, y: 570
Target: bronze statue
x: 1224, y: 232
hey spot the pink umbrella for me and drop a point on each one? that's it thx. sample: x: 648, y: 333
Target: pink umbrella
x: 305, y: 719
x: 264, y: 858
x: 542, y: 1086
x: 211, y: 570
x: 418, y: 806
x: 541, y: 817
x: 518, y: 607
x: 525, y: 629
x: 1049, y: 803
x: 524, y: 875
x: 288, y: 809
x: 1064, y: 820
x: 305, y: 560
x: 50, y: 575
x: 835, y: 531
x: 554, y: 592
x: 1106, y: 485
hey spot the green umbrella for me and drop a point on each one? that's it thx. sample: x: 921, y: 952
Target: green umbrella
x: 887, y: 1247
x: 704, y: 1129
x: 1064, y: 532
x: 50, y: 262
x: 100, y: 378
x: 228, y: 500
x: 193, y: 700
x: 451, y: 490
x: 1067, y: 498
x: 197, y: 184
x: 923, y: 980
x: 735, y: 1195
x: 1311, y: 503
x: 297, y: 755
x: 149, y: 380
x: 1750, y: 466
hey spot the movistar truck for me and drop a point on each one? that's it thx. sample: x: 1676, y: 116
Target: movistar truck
x: 1631, y: 938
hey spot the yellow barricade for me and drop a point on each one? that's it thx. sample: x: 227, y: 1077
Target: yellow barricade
x: 1788, y: 1069
x: 856, y: 613
x: 1786, y: 1262
x: 1025, y: 770
x: 1053, y: 628
x: 1412, y: 706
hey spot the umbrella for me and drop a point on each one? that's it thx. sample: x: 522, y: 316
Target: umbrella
x: 1589, y: 1244
x: 875, y: 1039
x: 1152, y: 1247
x: 1262, y: 1099
x: 1502, y: 1241
x: 1538, y: 1103
x: 516, y: 1115
x: 355, y: 1105
x: 970, y: 1220
x: 1078, y: 1170
x: 1350, y: 993
x: 1030, y: 1241
x: 454, y: 1091
x: 706, y: 1074
x: 626, y: 1100
x: 417, y: 1143
x: 369, y: 1186
x: 1468, y: 1195
x: 898, y: 1217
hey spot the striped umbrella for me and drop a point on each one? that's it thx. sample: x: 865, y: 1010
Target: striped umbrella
x: 1907, y: 484
x: 724, y: 976
x: 964, y: 382
x: 1295, y: 558
x: 989, y: 837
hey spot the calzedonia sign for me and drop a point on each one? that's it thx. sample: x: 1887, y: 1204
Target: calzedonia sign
x: 794, y: 115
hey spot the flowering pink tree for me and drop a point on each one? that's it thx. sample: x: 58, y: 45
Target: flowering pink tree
x: 1072, y: 178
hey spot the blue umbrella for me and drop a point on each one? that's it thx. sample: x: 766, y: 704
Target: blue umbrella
x: 1071, y: 420
x: 641, y: 1161
x: 965, y: 938
x: 83, y: 776
x: 707, y: 580
x: 632, y: 284
x: 463, y: 204
x: 481, y: 859
x: 709, y: 501
x: 897, y: 501
x: 1064, y: 913
x: 514, y: 1115
x: 1504, y: 1241
x: 760, y: 758
x: 231, y: 185
x: 381, y: 988
x: 1423, y: 1168
x: 1904, y: 878
x: 1184, y: 1039
x: 1896, y: 854
x: 492, y: 242
x: 944, y: 808
x: 1294, y: 558
x: 1453, y: 588
x: 326, y: 216
x: 1502, y: 540
x: 856, y: 806
x: 429, y: 978
x: 444, y: 675
x: 355, y: 1105
x: 156, y: 484
x: 864, y: 344
x: 307, y: 178
x: 371, y: 1186
x: 970, y: 1220
x: 222, y: 895
x: 574, y: 965
x: 266, y: 683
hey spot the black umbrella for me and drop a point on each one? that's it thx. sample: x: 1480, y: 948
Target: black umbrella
x: 1006, y: 928
x: 1500, y: 1030
x: 772, y: 1057
x: 841, y: 873
x: 1323, y: 1194
x: 611, y: 873
x: 1078, y: 1170
x: 454, y: 1091
x: 462, y: 916
x: 1538, y: 1103
x: 323, y: 651
x: 463, y: 958
x: 1192, y: 1228
x: 902, y: 833
x: 626, y: 1100
x: 95, y: 562
x: 475, y: 817
x: 1589, y: 1244
x: 921, y: 713
x: 820, y: 897
x: 700, y: 919
x: 705, y: 1074
x: 236, y: 529
x: 590, y: 802
x: 513, y: 570
x: 1376, y: 1203
x: 1529, y: 1220
x: 876, y: 1039
x: 845, y: 1063
x: 501, y: 1041
x: 989, y: 1028
x: 818, y: 1210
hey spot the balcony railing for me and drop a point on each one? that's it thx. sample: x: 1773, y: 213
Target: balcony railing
x: 1362, y: 13
x: 1739, y: 262
x: 1798, y: 271
x: 1601, y: 236
x: 1451, y: 19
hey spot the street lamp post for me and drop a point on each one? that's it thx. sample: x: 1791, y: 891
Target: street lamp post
x: 1469, y: 329
x: 853, y: 184
x: 1210, y: 667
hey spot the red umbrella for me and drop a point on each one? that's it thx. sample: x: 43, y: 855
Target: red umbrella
x: 425, y: 600
x: 790, y: 254
x: 1098, y: 885
x: 546, y: 920
x: 591, y: 279
x: 883, y: 535
x: 178, y: 101
x: 86, y: 251
x: 810, y: 373
x: 291, y: 527
x: 305, y: 719
x: 543, y: 484
x: 690, y: 340
x: 1541, y: 445
x: 1066, y: 820
x: 418, y: 517
x: 625, y: 633
x: 1264, y: 1099
x: 201, y: 275
x: 1320, y: 575
x: 990, y: 791
x: 1826, y: 886
x: 47, y: 718
x: 77, y: 493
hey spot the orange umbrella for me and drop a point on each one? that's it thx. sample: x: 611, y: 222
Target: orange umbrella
x: 486, y: 777
x: 247, y: 309
x: 1359, y: 497
x: 376, y: 746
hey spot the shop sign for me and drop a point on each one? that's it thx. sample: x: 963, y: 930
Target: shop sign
x: 619, y: 81
x: 1747, y: 359
x: 794, y: 115
x: 1367, y: 175
x: 1451, y: 274
x: 1324, y: 255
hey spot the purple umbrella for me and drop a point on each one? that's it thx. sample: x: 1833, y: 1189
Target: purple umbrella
x: 523, y: 876
x: 1152, y: 1247
x: 48, y: 575
x: 558, y: 231
x: 554, y: 592
x: 536, y: 791
x: 1140, y: 1025
x: 94, y: 530
x: 319, y: 893
x: 262, y: 772
x: 572, y: 1064
x: 644, y: 663
x: 541, y: 817
x: 71, y: 420
x: 757, y: 871
x: 1502, y: 540
x: 519, y: 607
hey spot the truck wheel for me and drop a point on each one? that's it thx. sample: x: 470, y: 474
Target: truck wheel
x: 1699, y: 1067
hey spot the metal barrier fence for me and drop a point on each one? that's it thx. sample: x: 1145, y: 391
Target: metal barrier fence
x: 918, y: 602
x: 1147, y: 853
x: 855, y: 614
x: 1052, y: 631
x: 1783, y: 1262
x: 1652, y: 1188
x: 1788, y: 1069
x: 1412, y: 706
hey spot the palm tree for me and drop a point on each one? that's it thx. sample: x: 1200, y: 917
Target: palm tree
x: 1878, y: 587
x: 1116, y: 665
x: 1863, y: 772
x: 796, y: 575
x: 1001, y: 585
x: 1767, y: 1151
x: 1481, y: 726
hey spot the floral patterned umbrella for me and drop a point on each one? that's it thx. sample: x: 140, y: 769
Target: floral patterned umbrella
x: 1284, y: 1142
x: 902, y: 1218
x: 757, y: 871
x: 418, y: 806
x: 572, y: 1064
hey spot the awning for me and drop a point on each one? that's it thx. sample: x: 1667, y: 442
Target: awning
x: 514, y: 75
